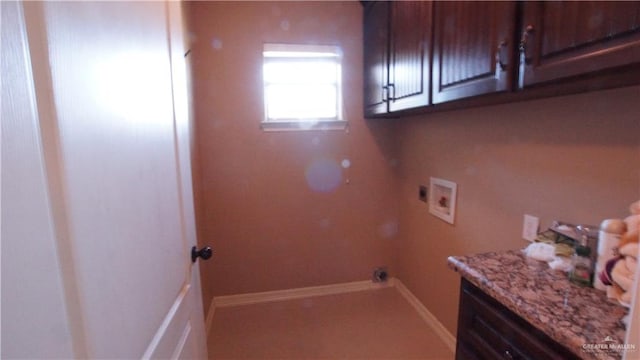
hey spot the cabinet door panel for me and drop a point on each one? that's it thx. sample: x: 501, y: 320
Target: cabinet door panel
x: 376, y: 45
x: 471, y: 48
x: 572, y: 38
x: 488, y: 330
x: 410, y: 45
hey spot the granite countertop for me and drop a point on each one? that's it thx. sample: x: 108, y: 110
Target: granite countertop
x: 569, y: 314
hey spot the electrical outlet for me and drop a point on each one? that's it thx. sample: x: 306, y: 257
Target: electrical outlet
x: 530, y: 227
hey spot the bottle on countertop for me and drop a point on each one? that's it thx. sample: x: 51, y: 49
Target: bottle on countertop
x: 608, y: 240
x: 582, y: 272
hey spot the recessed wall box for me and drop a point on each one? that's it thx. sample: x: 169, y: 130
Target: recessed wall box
x: 442, y: 202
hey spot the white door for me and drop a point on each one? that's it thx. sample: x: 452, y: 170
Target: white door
x: 109, y: 153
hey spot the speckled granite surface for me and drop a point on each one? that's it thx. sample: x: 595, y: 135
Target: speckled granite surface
x: 571, y: 315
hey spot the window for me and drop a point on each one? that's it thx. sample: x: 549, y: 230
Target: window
x: 302, y: 87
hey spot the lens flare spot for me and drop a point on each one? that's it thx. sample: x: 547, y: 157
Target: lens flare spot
x: 323, y: 175
x: 325, y: 223
x: 216, y: 44
x: 388, y: 229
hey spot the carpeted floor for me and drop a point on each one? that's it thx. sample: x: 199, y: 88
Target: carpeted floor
x: 375, y: 324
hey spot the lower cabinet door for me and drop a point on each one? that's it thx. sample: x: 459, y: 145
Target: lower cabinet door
x: 488, y: 330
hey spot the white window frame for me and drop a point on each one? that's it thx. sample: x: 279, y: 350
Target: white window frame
x: 299, y: 52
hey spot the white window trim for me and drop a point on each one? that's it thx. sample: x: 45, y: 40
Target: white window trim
x: 304, y: 125
x: 337, y: 123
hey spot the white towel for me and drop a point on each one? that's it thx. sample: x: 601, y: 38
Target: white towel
x: 541, y: 251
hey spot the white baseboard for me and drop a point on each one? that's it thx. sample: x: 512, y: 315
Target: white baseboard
x: 427, y: 316
x: 299, y: 293
x: 290, y: 294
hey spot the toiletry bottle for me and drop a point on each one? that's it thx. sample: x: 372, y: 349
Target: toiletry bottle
x: 582, y: 268
x: 608, y: 239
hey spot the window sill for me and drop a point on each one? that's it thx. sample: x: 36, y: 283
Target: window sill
x: 303, y: 126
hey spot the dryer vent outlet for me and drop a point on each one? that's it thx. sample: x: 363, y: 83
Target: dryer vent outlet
x: 380, y: 274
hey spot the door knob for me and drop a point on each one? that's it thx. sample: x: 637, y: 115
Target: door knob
x: 205, y: 253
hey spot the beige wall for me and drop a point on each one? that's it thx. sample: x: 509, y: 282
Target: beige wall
x: 573, y: 158
x: 268, y: 228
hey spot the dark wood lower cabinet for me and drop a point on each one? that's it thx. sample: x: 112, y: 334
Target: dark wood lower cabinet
x: 488, y: 330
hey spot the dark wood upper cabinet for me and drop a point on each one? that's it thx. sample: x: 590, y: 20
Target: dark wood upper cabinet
x: 472, y: 53
x: 376, y: 57
x: 397, y: 45
x: 562, y: 39
x: 421, y: 53
x: 409, y: 54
